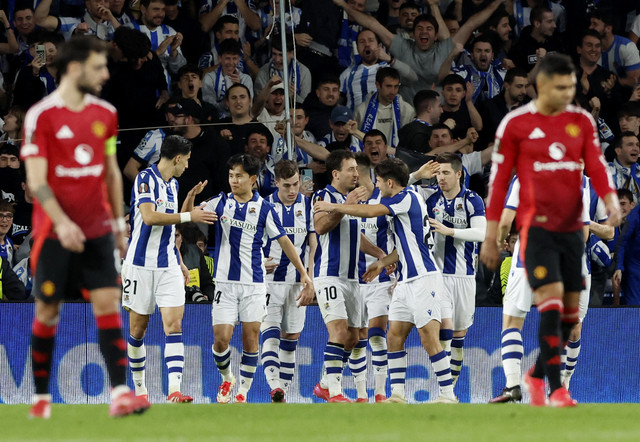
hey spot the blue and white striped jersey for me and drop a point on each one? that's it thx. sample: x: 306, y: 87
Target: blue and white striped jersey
x: 410, y: 227
x: 338, y: 250
x: 358, y: 81
x: 152, y: 246
x: 103, y: 30
x: 157, y: 36
x: 453, y: 255
x: 597, y: 212
x: 241, y: 232
x: 355, y: 146
x: 148, y: 151
x: 512, y: 201
x: 297, y: 221
x: 377, y: 231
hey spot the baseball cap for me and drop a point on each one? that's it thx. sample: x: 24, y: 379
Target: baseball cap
x: 275, y: 87
x: 186, y: 106
x: 341, y: 114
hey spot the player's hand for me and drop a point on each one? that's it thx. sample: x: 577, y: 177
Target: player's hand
x: 489, y: 253
x: 323, y: 206
x: 71, y: 236
x: 185, y: 273
x: 122, y: 243
x: 356, y: 195
x: 307, y: 295
x: 616, y: 279
x: 427, y: 170
x: 199, y: 215
x: 438, y: 227
x: 373, y: 271
x: 197, y: 189
x: 303, y: 39
x: 390, y: 268
x: 81, y: 29
x: 270, y: 265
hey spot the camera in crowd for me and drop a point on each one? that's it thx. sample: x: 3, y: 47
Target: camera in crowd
x: 195, y: 295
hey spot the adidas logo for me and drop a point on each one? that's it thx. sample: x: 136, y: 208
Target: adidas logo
x: 536, y: 134
x: 64, y: 133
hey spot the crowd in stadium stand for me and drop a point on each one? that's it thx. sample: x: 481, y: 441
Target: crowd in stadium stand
x: 431, y: 76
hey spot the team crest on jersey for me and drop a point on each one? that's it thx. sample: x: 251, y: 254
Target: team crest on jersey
x: 252, y: 210
x: 572, y: 130
x: 540, y: 272
x: 98, y: 128
x: 48, y: 288
x: 459, y: 206
x: 299, y: 213
x: 83, y: 154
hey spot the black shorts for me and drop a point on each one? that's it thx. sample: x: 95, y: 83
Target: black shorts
x: 61, y: 274
x: 554, y: 257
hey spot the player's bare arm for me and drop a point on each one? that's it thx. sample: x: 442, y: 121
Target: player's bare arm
x: 374, y: 269
x: 504, y: 226
x: 289, y: 249
x: 152, y: 218
x: 366, y: 246
x: 359, y: 210
x: 612, y: 206
x: 325, y: 221
x: 187, y: 204
x: 70, y: 235
x: 489, y: 253
x: 602, y: 231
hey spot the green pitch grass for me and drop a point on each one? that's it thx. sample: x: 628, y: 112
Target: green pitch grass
x: 327, y: 422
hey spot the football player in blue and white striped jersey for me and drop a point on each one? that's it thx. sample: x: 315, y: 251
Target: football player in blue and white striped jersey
x: 246, y: 222
x: 416, y: 299
x: 285, y: 318
x: 336, y: 271
x: 457, y: 217
x: 153, y: 272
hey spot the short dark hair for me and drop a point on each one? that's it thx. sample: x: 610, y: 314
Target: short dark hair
x: 6, y: 206
x: 260, y: 129
x: 145, y: 3
x: 629, y: 109
x: 387, y: 72
x: 174, y: 145
x: 556, y: 64
x: 21, y: 5
x: 249, y: 163
x: 393, y: 169
x: 606, y: 15
x: 230, y: 46
x: 362, y: 160
x: 133, y: 43
x: 423, y: 99
x: 625, y: 193
x: 440, y: 126
x: 428, y: 18
x: 223, y: 21
x: 513, y: 73
x: 537, y: 13
x: 450, y: 158
x: 276, y: 43
x: 588, y: 33
x: 328, y: 79
x: 623, y: 135
x: 454, y: 79
x: 189, y: 68
x: 235, y: 85
x: 375, y: 133
x: 79, y: 48
x: 409, y: 5
x: 335, y: 159
x: 496, y: 17
x: 374, y: 34
x: 285, y: 169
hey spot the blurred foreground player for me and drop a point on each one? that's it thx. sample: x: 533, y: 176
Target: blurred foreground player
x: 544, y: 141
x: 70, y: 157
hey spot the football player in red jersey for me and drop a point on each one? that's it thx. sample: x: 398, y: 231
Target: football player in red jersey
x: 69, y: 154
x: 544, y: 142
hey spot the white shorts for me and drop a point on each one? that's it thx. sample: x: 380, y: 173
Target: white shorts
x: 143, y: 289
x: 417, y: 301
x: 282, y: 307
x: 462, y: 292
x: 584, y: 298
x: 518, y: 295
x: 339, y: 299
x: 234, y: 300
x: 376, y: 299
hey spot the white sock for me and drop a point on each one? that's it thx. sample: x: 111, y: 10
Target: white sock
x: 223, y: 361
x: 397, y: 371
x: 457, y: 354
x: 378, y: 343
x: 248, y: 367
x: 512, y: 353
x: 270, y: 357
x: 573, y: 350
x: 287, y: 362
x: 440, y: 364
x: 137, y: 354
x: 174, y: 360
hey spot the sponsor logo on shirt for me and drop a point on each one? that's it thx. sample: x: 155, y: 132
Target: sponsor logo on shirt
x: 557, y: 151
x: 294, y: 230
x: 83, y: 154
x: 169, y: 205
x: 79, y: 172
x: 553, y: 167
x: 240, y: 224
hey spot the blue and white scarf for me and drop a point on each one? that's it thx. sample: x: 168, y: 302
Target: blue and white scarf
x: 372, y: 112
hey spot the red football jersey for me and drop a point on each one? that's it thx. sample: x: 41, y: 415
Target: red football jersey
x: 74, y: 145
x: 545, y: 152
